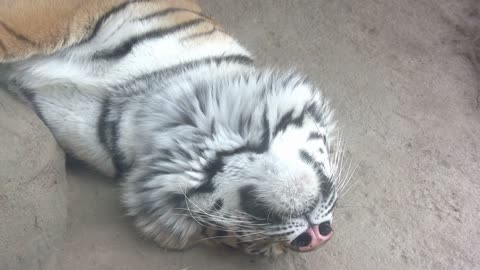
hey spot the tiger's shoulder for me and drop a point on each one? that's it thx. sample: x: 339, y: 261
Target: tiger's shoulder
x: 44, y: 27
x: 98, y: 44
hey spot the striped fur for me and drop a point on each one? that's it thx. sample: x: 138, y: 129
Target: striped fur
x: 207, y: 145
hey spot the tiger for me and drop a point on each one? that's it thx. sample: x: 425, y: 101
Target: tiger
x: 207, y: 146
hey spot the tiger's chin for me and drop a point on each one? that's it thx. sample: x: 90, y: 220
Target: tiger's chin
x: 230, y: 242
x: 219, y: 240
x: 227, y: 240
x: 257, y: 248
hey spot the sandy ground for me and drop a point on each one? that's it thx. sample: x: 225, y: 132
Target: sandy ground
x: 401, y: 77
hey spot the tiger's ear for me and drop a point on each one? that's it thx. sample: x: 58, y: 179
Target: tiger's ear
x: 39, y: 27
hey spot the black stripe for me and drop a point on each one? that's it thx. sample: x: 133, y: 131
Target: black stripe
x: 162, y: 156
x: 186, y: 115
x: 242, y: 124
x: 220, y: 233
x: 332, y: 206
x: 265, y: 142
x: 326, y: 187
x: 306, y: 157
x: 197, y: 35
x: 212, y: 127
x: 108, y: 133
x: 117, y: 154
x: 287, y: 119
x: 166, y: 72
x: 102, y: 125
x: 315, y: 110
x: 217, y: 206
x: 184, y: 153
x: 107, y: 15
x: 127, y: 46
x: 289, y: 78
x: 201, y: 95
x: 216, y: 165
x: 17, y: 35
x: 213, y: 167
x: 332, y: 201
x: 171, y: 10
x: 315, y: 136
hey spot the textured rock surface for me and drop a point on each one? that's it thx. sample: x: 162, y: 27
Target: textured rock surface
x: 33, y: 206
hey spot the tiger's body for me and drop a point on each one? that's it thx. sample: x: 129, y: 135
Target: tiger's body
x: 207, y: 145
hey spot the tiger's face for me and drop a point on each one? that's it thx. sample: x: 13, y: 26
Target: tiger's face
x: 252, y: 163
x: 281, y: 198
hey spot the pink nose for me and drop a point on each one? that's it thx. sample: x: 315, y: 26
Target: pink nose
x: 314, y: 237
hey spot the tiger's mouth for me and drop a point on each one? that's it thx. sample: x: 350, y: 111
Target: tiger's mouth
x: 310, y: 240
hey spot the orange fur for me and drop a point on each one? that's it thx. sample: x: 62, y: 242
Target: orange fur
x: 35, y: 27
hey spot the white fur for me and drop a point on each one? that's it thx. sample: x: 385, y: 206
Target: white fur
x: 70, y: 90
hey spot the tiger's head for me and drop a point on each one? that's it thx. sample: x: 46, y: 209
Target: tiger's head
x: 256, y: 168
x: 283, y: 197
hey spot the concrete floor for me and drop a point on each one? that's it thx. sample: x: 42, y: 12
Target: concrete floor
x: 405, y: 95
